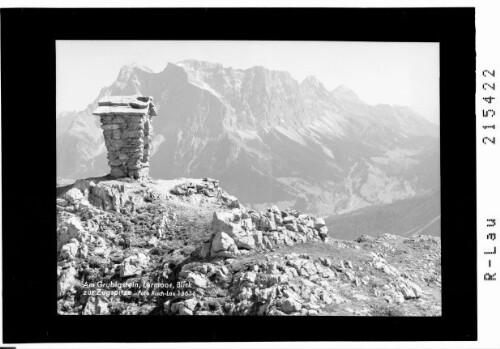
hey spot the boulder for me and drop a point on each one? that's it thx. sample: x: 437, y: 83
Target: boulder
x: 272, y: 225
x: 210, y: 180
x: 263, y: 224
x: 308, y: 269
x: 73, y: 195
x: 61, y: 202
x: 323, y: 232
x: 231, y: 201
x: 67, y: 281
x: 248, y: 277
x: 209, y: 193
x: 245, y: 294
x: 190, y: 303
x: 183, y: 310
x: 276, y: 312
x: 278, y: 219
x: 245, y: 241
x: 153, y: 241
x: 417, y: 291
x: 296, y: 263
x: 364, y: 238
x: 221, y: 242
x: 70, y: 250
x: 406, y: 291
x: 247, y: 224
x: 301, y: 228
x: 196, y: 280
x: 178, y: 190
x: 96, y: 306
x: 319, y: 223
x: 128, y: 269
x: 290, y: 305
x: 221, y: 222
x: 133, y: 265
x: 275, y: 209
x: 166, y: 306
x: 267, y: 243
x: 72, y: 228
x: 257, y: 236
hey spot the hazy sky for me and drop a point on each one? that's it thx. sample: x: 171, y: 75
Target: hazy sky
x: 379, y: 72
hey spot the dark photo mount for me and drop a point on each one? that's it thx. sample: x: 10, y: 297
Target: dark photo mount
x: 29, y: 240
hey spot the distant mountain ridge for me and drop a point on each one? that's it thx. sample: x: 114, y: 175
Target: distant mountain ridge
x: 267, y: 137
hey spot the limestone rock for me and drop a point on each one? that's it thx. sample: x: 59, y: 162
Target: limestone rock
x: 290, y: 305
x: 245, y: 241
x: 70, y: 250
x: 72, y: 228
x: 190, y: 303
x: 197, y: 280
x: 319, y: 223
x: 221, y: 242
x: 128, y: 269
x: 183, y: 310
x: 133, y: 265
x: 323, y: 232
x: 67, y: 281
x: 61, y: 202
x: 73, y: 195
x: 96, y: 306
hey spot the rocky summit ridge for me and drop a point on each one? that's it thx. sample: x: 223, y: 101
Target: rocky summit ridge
x: 187, y: 247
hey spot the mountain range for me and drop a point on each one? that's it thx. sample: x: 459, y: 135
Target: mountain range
x: 268, y: 138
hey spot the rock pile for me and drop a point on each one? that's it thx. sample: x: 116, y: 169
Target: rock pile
x: 294, y: 285
x: 88, y: 195
x: 208, y: 187
x: 126, y: 124
x: 241, y: 230
x: 131, y: 235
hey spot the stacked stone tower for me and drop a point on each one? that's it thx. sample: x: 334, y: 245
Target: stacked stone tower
x: 126, y: 124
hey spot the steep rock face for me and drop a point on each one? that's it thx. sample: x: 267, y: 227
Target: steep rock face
x: 269, y: 138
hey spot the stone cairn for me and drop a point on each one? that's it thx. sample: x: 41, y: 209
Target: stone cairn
x: 126, y: 124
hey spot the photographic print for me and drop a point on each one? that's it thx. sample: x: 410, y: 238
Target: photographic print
x: 240, y: 178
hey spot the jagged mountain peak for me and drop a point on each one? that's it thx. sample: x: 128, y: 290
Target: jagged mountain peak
x: 202, y: 65
x: 127, y: 70
x: 343, y: 92
x: 342, y: 89
x: 314, y: 89
x: 271, y: 73
x: 311, y: 80
x: 197, y: 64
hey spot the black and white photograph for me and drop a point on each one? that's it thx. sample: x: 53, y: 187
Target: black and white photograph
x: 275, y: 176
x: 248, y: 178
